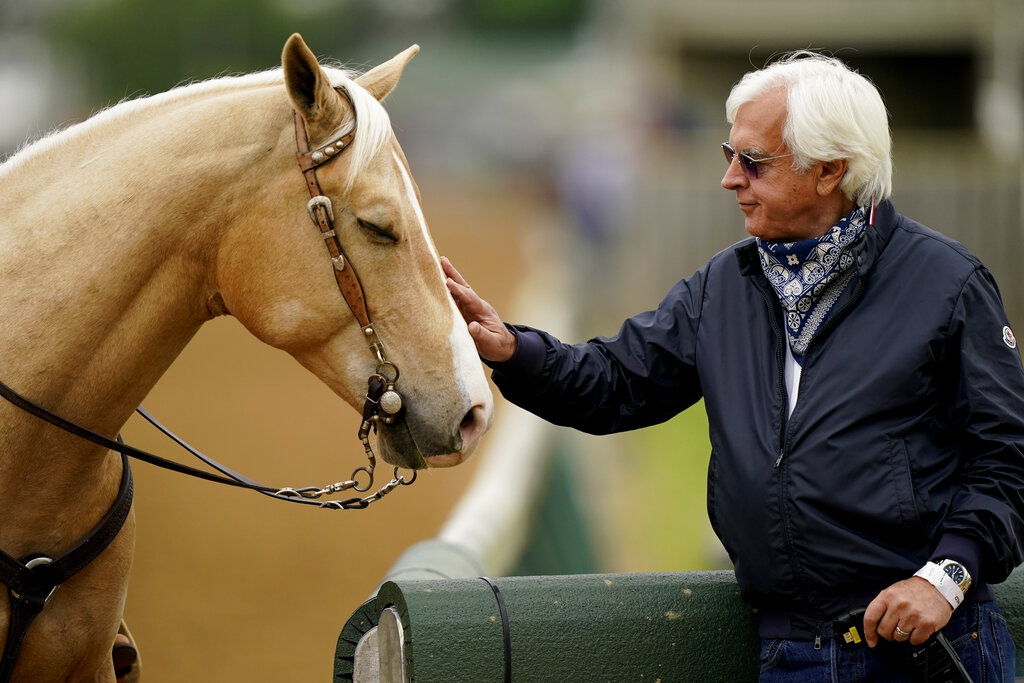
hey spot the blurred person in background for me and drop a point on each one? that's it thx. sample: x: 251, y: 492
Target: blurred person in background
x: 864, y: 393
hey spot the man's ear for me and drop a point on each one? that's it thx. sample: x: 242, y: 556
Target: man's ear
x: 832, y: 173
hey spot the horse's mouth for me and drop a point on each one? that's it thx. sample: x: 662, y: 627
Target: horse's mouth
x: 398, y: 444
x: 397, y: 447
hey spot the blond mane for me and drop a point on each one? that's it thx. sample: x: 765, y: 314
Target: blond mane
x: 374, y: 123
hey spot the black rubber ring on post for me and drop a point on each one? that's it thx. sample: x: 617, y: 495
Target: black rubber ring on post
x: 505, y: 632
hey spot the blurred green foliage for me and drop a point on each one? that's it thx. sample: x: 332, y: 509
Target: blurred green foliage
x: 540, y: 16
x: 134, y: 47
x: 670, y: 463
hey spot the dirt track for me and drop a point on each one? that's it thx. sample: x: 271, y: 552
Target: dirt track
x: 229, y: 585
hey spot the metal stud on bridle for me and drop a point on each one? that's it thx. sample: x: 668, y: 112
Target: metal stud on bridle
x: 390, y: 400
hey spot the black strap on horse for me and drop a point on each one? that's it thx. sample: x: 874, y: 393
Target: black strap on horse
x: 32, y: 580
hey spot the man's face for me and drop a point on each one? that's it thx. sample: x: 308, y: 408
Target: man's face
x: 780, y: 205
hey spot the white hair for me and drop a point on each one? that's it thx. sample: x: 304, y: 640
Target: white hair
x: 832, y: 113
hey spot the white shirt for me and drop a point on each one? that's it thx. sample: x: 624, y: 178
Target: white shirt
x: 792, y: 372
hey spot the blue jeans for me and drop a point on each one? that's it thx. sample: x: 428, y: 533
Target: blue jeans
x: 977, y: 632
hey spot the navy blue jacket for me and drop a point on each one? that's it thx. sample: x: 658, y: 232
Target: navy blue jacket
x: 907, y: 443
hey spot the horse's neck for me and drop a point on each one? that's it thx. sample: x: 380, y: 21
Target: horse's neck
x: 107, y: 250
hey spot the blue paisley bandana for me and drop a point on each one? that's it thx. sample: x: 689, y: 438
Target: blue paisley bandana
x: 810, y: 275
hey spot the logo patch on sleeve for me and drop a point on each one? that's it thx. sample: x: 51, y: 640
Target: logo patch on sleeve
x: 1008, y: 337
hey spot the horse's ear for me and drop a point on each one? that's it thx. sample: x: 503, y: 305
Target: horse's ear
x: 381, y: 80
x: 308, y: 86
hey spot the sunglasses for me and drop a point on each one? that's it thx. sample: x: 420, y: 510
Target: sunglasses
x: 747, y: 162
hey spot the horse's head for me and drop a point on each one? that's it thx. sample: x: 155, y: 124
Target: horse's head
x: 275, y: 273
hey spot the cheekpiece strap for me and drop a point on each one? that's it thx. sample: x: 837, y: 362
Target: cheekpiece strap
x: 322, y: 213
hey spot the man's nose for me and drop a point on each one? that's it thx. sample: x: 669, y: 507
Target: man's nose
x: 734, y: 176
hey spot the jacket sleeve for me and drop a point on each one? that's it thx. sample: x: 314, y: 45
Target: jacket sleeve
x: 644, y: 375
x: 989, y: 508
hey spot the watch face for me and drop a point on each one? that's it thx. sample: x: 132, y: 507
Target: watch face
x: 956, y: 572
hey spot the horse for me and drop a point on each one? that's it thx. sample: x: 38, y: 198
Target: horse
x: 122, y: 235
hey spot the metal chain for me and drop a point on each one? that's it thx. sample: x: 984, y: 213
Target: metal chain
x: 375, y: 411
x: 359, y: 503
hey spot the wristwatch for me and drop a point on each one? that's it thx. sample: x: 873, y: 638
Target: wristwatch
x: 950, y: 577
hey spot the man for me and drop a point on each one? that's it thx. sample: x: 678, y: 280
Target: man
x: 864, y: 393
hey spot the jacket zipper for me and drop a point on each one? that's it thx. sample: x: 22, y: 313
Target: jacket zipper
x: 780, y: 363
x: 773, y: 308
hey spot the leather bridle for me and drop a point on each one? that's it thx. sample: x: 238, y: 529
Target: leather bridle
x: 33, y: 579
x: 382, y: 403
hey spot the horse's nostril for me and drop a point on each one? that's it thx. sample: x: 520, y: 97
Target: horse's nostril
x: 473, y: 425
x: 468, y: 422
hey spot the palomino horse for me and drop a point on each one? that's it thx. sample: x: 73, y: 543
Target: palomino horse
x: 121, y: 236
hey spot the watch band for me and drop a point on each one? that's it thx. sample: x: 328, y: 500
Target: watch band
x: 933, y: 574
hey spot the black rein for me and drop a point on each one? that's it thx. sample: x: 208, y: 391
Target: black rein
x: 230, y: 478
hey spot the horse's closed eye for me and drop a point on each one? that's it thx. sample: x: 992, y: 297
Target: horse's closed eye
x: 377, y: 230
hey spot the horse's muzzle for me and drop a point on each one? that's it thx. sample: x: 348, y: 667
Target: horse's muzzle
x: 472, y: 427
x: 412, y: 441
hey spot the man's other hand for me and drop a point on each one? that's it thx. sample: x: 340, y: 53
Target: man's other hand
x: 913, y: 606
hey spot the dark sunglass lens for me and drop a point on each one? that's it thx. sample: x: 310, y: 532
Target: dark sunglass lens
x: 749, y: 165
